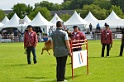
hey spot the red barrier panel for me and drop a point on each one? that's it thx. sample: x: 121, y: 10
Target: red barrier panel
x: 78, y: 44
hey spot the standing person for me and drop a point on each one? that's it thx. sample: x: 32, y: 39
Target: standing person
x: 90, y: 27
x: 61, y: 49
x: 106, y: 39
x: 30, y: 41
x: 98, y: 27
x: 122, y: 43
x: 77, y: 35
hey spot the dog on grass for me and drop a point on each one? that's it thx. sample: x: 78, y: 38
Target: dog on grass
x: 47, y: 47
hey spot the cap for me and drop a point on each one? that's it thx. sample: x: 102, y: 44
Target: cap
x: 106, y: 24
x: 75, y: 27
x: 29, y: 26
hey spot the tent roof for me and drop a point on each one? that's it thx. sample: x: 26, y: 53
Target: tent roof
x: 113, y: 20
x: 55, y: 19
x: 112, y: 16
x: 5, y: 20
x: 90, y: 17
x: 14, y: 21
x: 1, y: 24
x: 75, y: 19
x: 26, y: 19
x: 39, y: 20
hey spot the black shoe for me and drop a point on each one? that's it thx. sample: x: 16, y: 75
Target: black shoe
x: 35, y: 62
x: 29, y: 63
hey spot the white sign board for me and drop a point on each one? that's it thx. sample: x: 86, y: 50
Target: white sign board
x: 79, y: 58
x: 89, y: 37
x: 119, y: 36
x: 21, y: 21
x: 5, y: 40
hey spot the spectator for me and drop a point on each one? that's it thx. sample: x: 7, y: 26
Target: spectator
x: 98, y: 27
x: 90, y: 27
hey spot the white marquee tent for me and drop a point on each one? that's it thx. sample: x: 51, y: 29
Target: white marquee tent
x: 75, y: 19
x: 5, y: 20
x: 55, y: 19
x: 113, y: 20
x: 91, y: 19
x: 40, y: 21
x: 1, y: 24
x: 26, y: 19
x: 14, y: 23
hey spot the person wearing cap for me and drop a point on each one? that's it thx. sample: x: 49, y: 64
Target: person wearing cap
x: 77, y: 35
x: 106, y: 40
x: 30, y: 42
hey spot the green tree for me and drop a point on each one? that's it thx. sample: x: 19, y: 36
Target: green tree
x: 50, y: 6
x: 117, y: 10
x: 65, y: 5
x: 118, y: 3
x: 29, y: 9
x: 44, y: 11
x: 65, y: 17
x: 21, y: 10
x: 106, y: 4
x: 2, y: 15
x: 95, y: 9
x: 78, y: 4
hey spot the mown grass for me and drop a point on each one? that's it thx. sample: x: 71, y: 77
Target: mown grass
x: 14, y: 68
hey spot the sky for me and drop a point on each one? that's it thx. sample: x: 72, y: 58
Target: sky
x: 8, y: 4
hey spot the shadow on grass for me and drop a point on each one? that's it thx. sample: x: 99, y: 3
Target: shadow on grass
x: 105, y: 57
x: 41, y: 79
x: 93, y: 57
x: 18, y: 65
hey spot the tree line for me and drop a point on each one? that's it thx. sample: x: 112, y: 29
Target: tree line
x: 99, y: 8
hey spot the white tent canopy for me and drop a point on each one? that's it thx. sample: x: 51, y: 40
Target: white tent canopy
x: 75, y: 19
x: 112, y: 16
x: 91, y: 19
x: 26, y: 19
x: 5, y: 20
x: 40, y: 21
x: 55, y: 19
x: 113, y: 20
x: 1, y: 24
x: 14, y: 23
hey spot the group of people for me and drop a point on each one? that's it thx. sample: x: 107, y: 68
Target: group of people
x: 61, y: 46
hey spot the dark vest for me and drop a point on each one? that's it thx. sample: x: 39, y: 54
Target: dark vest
x: 58, y: 38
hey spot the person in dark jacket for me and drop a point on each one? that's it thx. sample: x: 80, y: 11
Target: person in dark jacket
x: 122, y: 43
x: 106, y: 39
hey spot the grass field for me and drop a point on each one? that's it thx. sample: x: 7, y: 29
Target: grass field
x: 14, y: 68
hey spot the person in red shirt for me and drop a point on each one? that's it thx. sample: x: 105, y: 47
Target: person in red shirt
x: 30, y: 41
x: 106, y: 39
x: 77, y: 35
